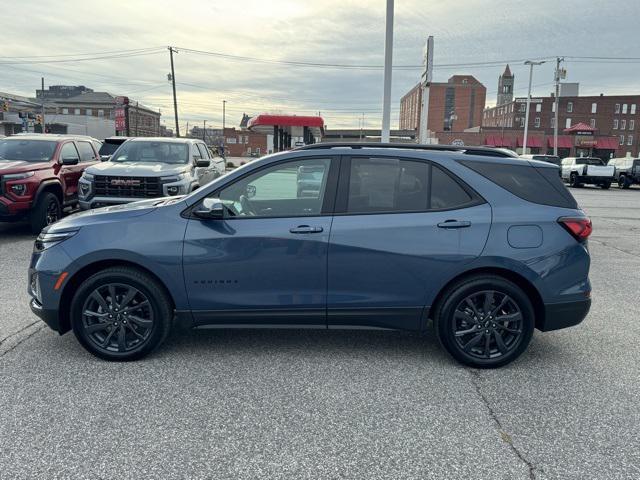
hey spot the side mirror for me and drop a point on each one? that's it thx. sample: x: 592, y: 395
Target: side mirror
x: 210, y: 208
x: 202, y: 163
x: 105, y: 158
x: 69, y: 160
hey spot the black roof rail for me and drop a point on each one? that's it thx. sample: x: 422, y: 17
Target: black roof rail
x: 469, y: 150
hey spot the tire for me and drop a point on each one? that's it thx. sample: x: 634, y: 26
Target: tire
x: 46, y: 211
x: 605, y: 185
x: 623, y: 182
x: 121, y: 334
x: 573, y: 180
x: 453, y: 317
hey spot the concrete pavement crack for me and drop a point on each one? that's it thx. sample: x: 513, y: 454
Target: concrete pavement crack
x: 605, y: 244
x: 20, y: 340
x: 475, y: 376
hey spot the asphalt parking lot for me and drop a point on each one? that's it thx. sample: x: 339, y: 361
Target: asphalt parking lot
x: 327, y: 404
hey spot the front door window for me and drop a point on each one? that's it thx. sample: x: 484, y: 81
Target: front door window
x: 290, y: 189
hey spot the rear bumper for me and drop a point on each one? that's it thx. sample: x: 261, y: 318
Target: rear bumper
x: 50, y: 317
x: 563, y: 315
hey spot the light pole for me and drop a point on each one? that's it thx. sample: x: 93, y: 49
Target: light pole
x: 204, y: 131
x: 224, y: 108
x: 388, y: 61
x: 526, y: 115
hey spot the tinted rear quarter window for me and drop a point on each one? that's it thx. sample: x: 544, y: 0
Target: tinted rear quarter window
x: 540, y: 185
x: 446, y: 192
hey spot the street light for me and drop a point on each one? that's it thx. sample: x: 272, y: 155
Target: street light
x: 526, y: 115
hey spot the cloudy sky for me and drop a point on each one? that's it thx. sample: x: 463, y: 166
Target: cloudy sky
x: 337, y: 32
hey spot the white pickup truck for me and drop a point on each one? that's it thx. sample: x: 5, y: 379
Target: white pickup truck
x: 592, y: 170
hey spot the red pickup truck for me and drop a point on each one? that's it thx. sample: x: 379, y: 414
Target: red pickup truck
x: 39, y: 175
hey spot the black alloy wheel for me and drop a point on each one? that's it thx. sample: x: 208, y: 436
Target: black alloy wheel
x: 488, y: 324
x: 117, y: 317
x: 52, y: 212
x: 121, y: 313
x: 484, y: 321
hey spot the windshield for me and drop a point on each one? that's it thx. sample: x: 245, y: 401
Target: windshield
x: 154, y: 152
x: 27, y: 150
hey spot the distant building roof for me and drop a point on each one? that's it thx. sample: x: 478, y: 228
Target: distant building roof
x: 507, y: 71
x: 89, y: 97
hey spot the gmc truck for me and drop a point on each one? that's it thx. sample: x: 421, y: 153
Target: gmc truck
x: 578, y: 171
x: 39, y: 176
x: 148, y: 167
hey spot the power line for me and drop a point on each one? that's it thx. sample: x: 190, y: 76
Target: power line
x: 82, y: 54
x: 81, y: 59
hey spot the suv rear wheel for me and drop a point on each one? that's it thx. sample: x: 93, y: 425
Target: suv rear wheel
x: 484, y: 321
x: 573, y: 180
x: 46, y: 211
x: 121, y: 314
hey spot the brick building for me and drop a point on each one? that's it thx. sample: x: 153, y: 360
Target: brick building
x: 134, y: 119
x: 244, y: 143
x: 611, y: 116
x: 455, y: 105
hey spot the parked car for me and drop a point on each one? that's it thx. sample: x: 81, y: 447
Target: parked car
x: 627, y: 171
x: 149, y: 168
x: 39, y: 176
x: 554, y: 159
x: 591, y: 170
x: 110, y: 145
x: 487, y: 247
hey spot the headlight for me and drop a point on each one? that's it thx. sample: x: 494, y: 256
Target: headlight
x: 48, y: 240
x: 173, y: 178
x: 19, y: 188
x: 87, y: 176
x: 85, y: 189
x: 18, y: 176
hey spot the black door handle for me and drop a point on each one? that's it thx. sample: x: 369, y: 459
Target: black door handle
x: 454, y: 224
x: 305, y: 229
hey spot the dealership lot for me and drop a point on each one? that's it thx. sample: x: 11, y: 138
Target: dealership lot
x: 328, y: 404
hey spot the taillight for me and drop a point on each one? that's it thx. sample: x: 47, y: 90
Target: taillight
x: 580, y: 228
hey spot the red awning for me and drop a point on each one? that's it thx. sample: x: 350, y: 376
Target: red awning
x: 497, y: 141
x: 489, y: 141
x: 579, y: 127
x: 563, y: 141
x: 533, y: 142
x: 607, y: 143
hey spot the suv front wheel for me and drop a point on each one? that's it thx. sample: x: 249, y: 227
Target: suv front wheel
x: 484, y: 321
x: 46, y: 211
x: 121, y: 314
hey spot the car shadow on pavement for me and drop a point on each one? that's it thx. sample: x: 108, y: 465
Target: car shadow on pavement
x: 15, y: 229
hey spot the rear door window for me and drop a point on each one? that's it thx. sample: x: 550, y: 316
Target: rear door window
x: 86, y: 152
x: 540, y: 185
x: 391, y: 185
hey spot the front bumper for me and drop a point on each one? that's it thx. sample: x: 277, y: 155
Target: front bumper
x: 564, y: 315
x: 50, y: 317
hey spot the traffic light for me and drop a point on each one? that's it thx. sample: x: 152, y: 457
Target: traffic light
x: 39, y: 119
x: 5, y: 106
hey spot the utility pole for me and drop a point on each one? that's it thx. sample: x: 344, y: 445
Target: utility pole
x: 426, y: 82
x: 173, y: 83
x: 44, y: 130
x: 204, y: 131
x: 556, y: 106
x: 526, y: 115
x: 388, y: 62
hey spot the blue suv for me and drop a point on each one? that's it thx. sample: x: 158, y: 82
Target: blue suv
x: 484, y: 246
